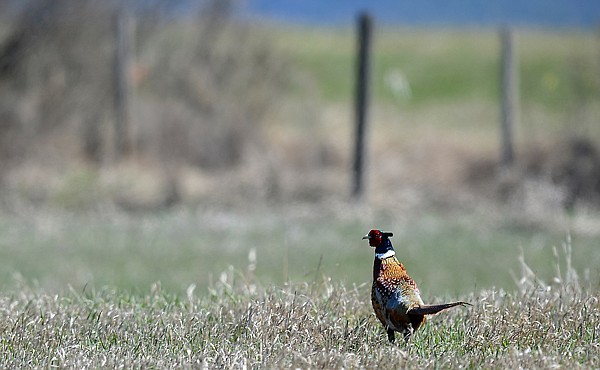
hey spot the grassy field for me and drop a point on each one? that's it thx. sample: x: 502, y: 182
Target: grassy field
x: 320, y: 324
x: 556, y: 68
x: 448, y: 256
x: 417, y: 71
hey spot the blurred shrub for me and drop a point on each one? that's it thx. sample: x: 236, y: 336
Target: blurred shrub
x: 203, y: 81
x: 54, y: 73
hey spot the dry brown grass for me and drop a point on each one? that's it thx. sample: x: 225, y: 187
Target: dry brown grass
x: 319, y: 325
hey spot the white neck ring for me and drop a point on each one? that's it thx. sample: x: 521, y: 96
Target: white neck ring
x: 387, y: 254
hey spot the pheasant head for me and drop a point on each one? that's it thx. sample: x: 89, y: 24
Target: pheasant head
x: 380, y: 241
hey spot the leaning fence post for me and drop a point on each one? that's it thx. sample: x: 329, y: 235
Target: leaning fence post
x: 361, y: 102
x: 509, y: 96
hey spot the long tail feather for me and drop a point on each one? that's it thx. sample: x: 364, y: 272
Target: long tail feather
x: 434, y: 308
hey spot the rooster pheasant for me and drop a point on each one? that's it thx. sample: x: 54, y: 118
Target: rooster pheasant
x: 395, y: 297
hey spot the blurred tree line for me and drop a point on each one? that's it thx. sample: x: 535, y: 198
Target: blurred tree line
x: 202, y: 81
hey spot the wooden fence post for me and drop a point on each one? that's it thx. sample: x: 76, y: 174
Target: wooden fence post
x: 509, y: 96
x: 122, y: 85
x: 361, y: 102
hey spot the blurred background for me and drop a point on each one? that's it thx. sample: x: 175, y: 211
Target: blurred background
x: 196, y: 141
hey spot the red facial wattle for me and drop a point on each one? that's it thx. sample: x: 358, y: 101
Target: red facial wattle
x: 375, y: 238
